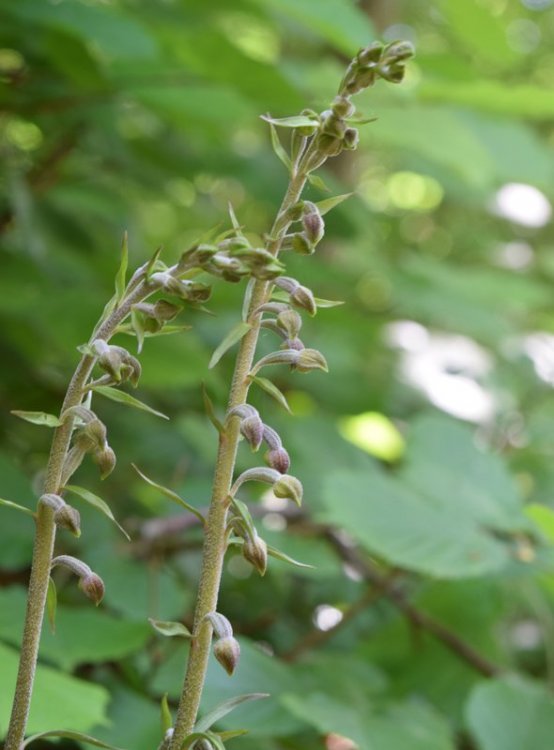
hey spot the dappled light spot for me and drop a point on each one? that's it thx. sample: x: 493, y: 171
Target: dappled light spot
x: 539, y: 347
x: 327, y: 617
x: 337, y: 742
x: 523, y: 204
x: 414, y: 192
x: 374, y: 433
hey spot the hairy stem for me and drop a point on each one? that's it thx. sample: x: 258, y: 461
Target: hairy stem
x: 46, y: 529
x: 215, y: 539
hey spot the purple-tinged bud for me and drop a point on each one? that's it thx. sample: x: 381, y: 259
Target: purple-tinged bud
x: 311, y: 359
x: 227, y: 652
x: 278, y: 459
x: 252, y: 429
x: 296, y: 344
x: 289, y: 488
x: 314, y: 226
x: 351, y: 139
x: 332, y: 125
x: 67, y: 517
x: 106, y: 460
x: 93, y: 587
x: 254, y: 550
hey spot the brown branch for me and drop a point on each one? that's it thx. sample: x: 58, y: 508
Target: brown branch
x: 416, y: 617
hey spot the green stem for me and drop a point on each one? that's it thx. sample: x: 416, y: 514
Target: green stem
x: 46, y: 529
x: 215, y: 539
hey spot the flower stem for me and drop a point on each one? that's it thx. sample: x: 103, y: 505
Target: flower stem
x: 46, y: 529
x: 215, y: 539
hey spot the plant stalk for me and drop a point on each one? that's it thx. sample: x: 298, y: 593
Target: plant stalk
x: 46, y: 529
x: 215, y: 541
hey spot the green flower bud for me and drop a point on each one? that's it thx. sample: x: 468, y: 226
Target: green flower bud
x: 91, y: 437
x: 302, y: 297
x: 398, y: 51
x: 301, y: 244
x: 290, y: 322
x: 289, y: 488
x: 342, y: 107
x: 370, y: 54
x: 255, y: 551
x: 311, y: 359
x: 106, y: 460
x: 252, y: 429
x: 295, y: 344
x: 351, y: 139
x: 329, y: 145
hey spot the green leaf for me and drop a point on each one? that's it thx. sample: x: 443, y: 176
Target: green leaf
x: 543, y: 516
x: 16, y: 506
x: 166, y: 719
x: 79, y: 736
x: 410, y: 726
x: 170, y: 495
x: 215, y: 740
x: 38, y: 417
x: 137, y: 328
x: 210, y: 411
x: 273, y: 391
x: 121, y: 397
x: 170, y: 629
x: 318, y: 183
x: 329, y: 203
x: 328, y: 302
x: 286, y: 558
x: 233, y: 337
x: 278, y: 147
x: 58, y: 699
x: 225, y: 708
x: 121, y: 275
x: 296, y: 121
x: 153, y: 263
x: 244, y: 514
x: 51, y: 604
x: 96, y: 502
x: 511, y: 713
x: 452, y: 511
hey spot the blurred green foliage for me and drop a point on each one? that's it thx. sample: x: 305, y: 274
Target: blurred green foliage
x: 144, y: 116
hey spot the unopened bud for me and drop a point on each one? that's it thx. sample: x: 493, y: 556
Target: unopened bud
x: 370, y: 54
x: 278, y: 459
x: 257, y: 474
x: 227, y: 652
x: 308, y: 130
x: 106, y: 460
x: 254, y: 550
x: 398, y: 51
x: 342, y: 107
x: 351, y: 139
x: 289, y: 488
x: 301, y: 244
x: 314, y: 226
x: 303, y: 298
x: 295, y: 343
x: 93, y: 587
x: 329, y: 145
x: 67, y: 517
x: 91, y: 437
x: 290, y: 322
x: 311, y: 359
x: 252, y: 429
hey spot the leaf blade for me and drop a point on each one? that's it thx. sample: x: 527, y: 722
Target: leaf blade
x: 121, y: 397
x: 69, y: 735
x: 173, y: 496
x: 170, y: 629
x: 270, y: 388
x: 222, y: 709
x: 96, y: 502
x: 121, y: 275
x: 233, y: 337
x: 16, y: 506
x: 40, y: 418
